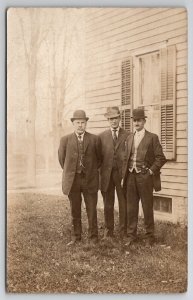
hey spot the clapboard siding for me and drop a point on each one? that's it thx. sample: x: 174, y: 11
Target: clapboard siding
x: 116, y: 15
x: 182, y: 118
x: 181, y: 126
x: 174, y: 185
x: 141, y: 39
x: 181, y: 179
x: 181, y: 46
x: 181, y: 70
x: 116, y: 26
x: 181, y: 101
x: 94, y: 14
x: 182, y: 53
x: 182, y: 134
x: 182, y: 109
x: 177, y: 35
x: 173, y: 192
x: 176, y: 166
x: 114, y: 34
x: 117, y: 52
x: 114, y: 20
x: 181, y: 77
x: 182, y: 94
x: 132, y: 31
x: 104, y: 91
x: 113, y: 58
x: 107, y: 80
x: 182, y: 150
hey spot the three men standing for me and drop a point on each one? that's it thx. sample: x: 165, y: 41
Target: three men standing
x: 129, y: 164
x: 113, y: 146
x: 80, y: 158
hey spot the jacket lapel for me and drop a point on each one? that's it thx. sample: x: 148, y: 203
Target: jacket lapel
x: 129, y: 145
x: 120, y: 138
x: 73, y: 142
x: 110, y: 138
x: 86, y: 141
x: 144, y: 144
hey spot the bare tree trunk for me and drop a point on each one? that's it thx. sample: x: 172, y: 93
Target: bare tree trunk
x: 31, y: 158
x: 36, y: 38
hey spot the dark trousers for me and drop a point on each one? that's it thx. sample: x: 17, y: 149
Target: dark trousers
x: 109, y: 201
x: 78, y: 189
x: 139, y: 186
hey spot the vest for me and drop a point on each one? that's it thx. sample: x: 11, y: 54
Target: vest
x: 80, y: 161
x: 139, y: 159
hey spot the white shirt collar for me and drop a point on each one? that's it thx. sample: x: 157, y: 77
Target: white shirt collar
x: 117, y: 130
x: 140, y: 133
x: 82, y: 135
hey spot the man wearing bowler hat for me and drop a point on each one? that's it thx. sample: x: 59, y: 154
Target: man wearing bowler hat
x: 113, y: 143
x: 79, y: 156
x: 141, y: 174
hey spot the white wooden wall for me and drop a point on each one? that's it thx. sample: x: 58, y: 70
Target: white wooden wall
x: 112, y: 34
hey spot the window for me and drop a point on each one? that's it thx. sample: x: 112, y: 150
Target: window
x: 153, y: 87
x: 150, y: 78
x: 162, y: 204
x: 148, y: 85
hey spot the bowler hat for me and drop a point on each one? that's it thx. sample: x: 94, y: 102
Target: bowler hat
x: 112, y: 112
x: 79, y: 114
x: 138, y: 113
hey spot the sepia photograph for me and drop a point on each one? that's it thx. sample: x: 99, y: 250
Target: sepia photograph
x: 97, y: 156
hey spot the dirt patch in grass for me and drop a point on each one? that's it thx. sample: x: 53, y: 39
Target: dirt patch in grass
x: 38, y: 259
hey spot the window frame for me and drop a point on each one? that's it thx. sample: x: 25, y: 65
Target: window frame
x: 164, y: 103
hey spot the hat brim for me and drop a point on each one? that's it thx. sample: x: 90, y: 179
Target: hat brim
x: 142, y: 117
x: 72, y: 119
x: 109, y: 116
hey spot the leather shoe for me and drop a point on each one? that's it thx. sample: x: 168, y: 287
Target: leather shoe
x: 108, y: 233
x: 108, y: 239
x: 130, y: 241
x: 73, y: 242
x: 93, y: 241
x: 150, y: 241
x: 122, y: 235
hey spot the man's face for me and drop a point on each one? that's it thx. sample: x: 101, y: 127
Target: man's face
x: 114, y: 122
x: 79, y: 125
x: 139, y: 124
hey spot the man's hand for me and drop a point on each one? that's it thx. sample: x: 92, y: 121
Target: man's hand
x: 121, y: 182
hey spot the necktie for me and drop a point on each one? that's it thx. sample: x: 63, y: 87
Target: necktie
x: 80, y: 137
x: 114, y: 136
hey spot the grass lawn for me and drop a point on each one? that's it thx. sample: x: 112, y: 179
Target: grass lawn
x: 38, y: 260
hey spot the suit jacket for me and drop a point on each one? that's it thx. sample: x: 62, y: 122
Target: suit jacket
x: 151, y: 154
x: 68, y: 157
x: 108, y: 154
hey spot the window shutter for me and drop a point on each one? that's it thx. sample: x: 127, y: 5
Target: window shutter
x: 168, y: 101
x: 126, y: 119
x: 126, y: 92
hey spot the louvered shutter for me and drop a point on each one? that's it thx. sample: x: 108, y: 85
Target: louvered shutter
x: 126, y: 93
x: 126, y: 119
x: 168, y: 101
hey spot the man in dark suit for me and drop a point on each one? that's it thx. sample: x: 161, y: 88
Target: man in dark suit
x: 79, y: 156
x: 113, y: 143
x: 141, y: 174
